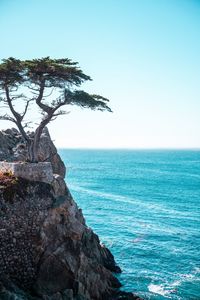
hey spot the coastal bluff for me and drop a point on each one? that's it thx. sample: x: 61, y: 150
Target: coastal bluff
x: 46, y: 249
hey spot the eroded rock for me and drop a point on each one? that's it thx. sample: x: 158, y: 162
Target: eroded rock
x: 46, y: 250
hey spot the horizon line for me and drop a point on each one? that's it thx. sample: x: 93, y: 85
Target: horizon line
x: 124, y: 148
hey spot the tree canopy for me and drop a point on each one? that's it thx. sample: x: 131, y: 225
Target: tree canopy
x: 48, y: 83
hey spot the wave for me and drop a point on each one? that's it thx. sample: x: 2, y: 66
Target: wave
x: 171, y: 288
x: 148, y: 214
x: 133, y: 201
x: 193, y: 276
x: 159, y: 289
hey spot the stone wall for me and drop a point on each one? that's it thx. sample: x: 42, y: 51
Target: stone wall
x: 31, y: 171
x: 22, y: 212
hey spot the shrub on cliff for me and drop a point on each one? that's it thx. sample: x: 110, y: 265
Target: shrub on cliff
x: 7, y: 179
x: 47, y: 83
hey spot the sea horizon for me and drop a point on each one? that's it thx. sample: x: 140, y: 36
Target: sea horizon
x: 127, y: 149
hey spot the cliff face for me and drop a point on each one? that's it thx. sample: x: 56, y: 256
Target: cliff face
x: 46, y: 249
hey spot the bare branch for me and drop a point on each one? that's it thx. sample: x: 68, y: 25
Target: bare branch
x: 13, y: 88
x: 43, y: 106
x: 49, y: 93
x: 3, y: 100
x: 34, y: 93
x: 27, y: 125
x: 9, y: 100
x: 20, y: 96
x: 59, y: 113
x: 17, y: 117
x: 6, y: 117
x: 26, y: 107
x: 33, y: 89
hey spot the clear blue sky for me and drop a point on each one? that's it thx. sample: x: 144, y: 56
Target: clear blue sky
x: 144, y: 55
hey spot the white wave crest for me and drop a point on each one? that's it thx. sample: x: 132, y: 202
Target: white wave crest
x: 160, y: 290
x: 157, y: 289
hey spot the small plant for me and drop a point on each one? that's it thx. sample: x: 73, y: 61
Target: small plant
x: 7, y: 179
x: 8, y: 174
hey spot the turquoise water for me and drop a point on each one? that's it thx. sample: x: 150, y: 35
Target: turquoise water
x: 144, y: 205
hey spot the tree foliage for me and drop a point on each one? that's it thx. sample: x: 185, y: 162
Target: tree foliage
x: 50, y: 84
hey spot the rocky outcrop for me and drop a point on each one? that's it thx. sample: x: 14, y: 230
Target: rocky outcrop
x: 46, y: 246
x: 12, y: 148
x: 46, y: 250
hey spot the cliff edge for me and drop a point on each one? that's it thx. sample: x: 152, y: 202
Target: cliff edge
x: 46, y: 249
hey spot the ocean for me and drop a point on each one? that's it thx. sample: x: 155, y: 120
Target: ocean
x: 145, y: 207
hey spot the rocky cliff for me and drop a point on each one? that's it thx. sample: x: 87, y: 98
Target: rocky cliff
x: 46, y: 250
